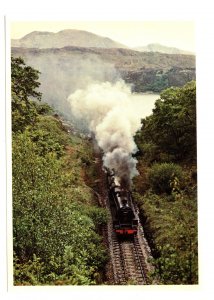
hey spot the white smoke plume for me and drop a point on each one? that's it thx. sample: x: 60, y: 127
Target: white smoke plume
x: 112, y: 113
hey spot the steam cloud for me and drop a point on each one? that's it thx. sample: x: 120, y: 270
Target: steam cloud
x: 64, y: 71
x: 113, y: 114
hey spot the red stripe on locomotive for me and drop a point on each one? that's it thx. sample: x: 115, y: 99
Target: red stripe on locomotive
x: 126, y: 231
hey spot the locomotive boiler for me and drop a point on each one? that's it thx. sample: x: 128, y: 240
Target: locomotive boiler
x: 124, y: 220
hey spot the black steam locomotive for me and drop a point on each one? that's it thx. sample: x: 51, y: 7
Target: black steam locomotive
x: 124, y: 220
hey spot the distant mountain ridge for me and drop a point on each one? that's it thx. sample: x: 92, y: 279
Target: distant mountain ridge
x: 72, y: 59
x: 64, y: 38
x: 81, y: 38
x: 162, y: 49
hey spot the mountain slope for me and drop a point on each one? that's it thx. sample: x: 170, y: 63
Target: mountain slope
x: 162, y: 49
x: 65, y: 70
x: 123, y: 59
x: 68, y: 37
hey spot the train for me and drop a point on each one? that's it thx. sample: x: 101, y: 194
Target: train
x: 123, y: 215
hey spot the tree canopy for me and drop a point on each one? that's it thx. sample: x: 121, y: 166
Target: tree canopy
x: 172, y: 126
x: 24, y: 84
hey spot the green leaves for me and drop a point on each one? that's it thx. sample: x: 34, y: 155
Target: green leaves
x: 24, y: 79
x: 166, y: 188
x: 23, y: 84
x: 171, y: 228
x: 49, y: 222
x: 54, y: 220
x: 172, y: 126
x: 163, y: 177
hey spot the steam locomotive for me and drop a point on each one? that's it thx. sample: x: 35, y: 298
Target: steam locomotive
x: 124, y: 220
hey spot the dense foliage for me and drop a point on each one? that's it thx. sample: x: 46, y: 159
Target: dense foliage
x: 166, y: 190
x: 172, y: 126
x: 161, y: 177
x: 24, y: 82
x: 55, y: 216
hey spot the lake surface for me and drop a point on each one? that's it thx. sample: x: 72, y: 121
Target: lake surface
x: 145, y: 102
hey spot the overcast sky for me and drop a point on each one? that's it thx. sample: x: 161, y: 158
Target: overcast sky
x: 180, y: 34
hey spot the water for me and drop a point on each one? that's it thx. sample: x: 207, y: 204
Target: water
x: 145, y: 102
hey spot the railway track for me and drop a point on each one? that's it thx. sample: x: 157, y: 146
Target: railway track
x: 129, y: 258
x: 129, y: 262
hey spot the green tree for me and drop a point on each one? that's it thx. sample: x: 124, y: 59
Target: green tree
x: 24, y: 79
x: 167, y: 187
x: 54, y: 221
x: 172, y: 126
x: 55, y: 237
x: 24, y: 82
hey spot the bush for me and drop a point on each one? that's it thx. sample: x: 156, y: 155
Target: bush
x: 162, y: 176
x: 171, y: 231
x: 54, y: 225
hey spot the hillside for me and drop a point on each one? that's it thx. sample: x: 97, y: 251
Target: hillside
x: 68, y: 37
x: 56, y: 214
x: 166, y: 188
x: 162, y: 49
x: 123, y: 59
x: 66, y: 69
